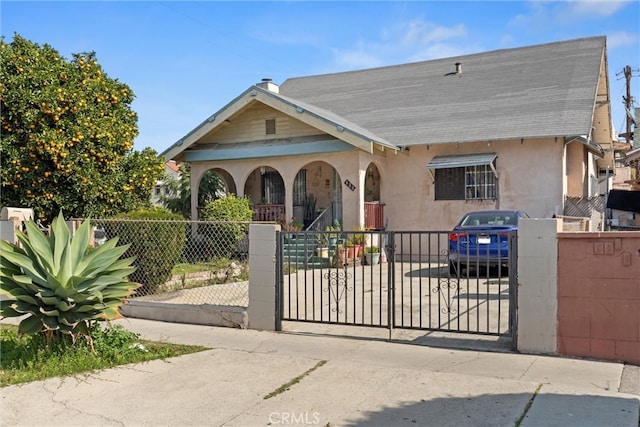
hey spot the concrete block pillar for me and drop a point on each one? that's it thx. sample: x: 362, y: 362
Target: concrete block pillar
x: 8, y: 229
x: 537, y: 285
x: 262, y: 276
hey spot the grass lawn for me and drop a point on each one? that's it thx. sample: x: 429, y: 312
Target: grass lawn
x: 31, y: 358
x: 214, y: 265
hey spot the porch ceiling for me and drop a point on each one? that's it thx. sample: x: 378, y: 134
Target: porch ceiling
x: 268, y: 148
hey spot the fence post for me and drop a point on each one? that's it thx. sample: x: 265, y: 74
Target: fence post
x: 262, y: 276
x: 537, y: 285
x: 8, y: 229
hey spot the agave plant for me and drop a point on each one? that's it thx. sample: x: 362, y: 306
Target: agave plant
x: 59, y: 283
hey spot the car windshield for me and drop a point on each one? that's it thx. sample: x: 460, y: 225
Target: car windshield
x: 482, y: 219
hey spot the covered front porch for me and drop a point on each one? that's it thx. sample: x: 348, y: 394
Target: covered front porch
x: 310, y: 196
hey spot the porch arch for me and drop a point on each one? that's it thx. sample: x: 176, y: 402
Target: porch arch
x: 266, y: 191
x: 198, y: 185
x: 317, y: 191
x: 227, y: 180
x: 373, y: 205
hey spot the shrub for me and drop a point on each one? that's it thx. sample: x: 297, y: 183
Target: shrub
x: 371, y: 250
x: 156, y: 238
x: 231, y: 216
x: 59, y: 284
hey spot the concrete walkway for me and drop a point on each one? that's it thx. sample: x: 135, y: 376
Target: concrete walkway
x: 253, y: 378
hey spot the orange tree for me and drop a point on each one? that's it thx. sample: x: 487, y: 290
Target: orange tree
x: 67, y: 136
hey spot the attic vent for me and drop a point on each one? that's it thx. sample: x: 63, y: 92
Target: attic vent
x: 270, y: 126
x: 457, y: 72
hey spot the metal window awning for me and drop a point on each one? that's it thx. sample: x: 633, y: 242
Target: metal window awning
x: 461, y: 161
x: 592, y: 147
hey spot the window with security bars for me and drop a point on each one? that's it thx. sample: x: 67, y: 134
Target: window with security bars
x: 467, y: 183
x: 272, y: 188
x: 480, y: 183
x: 300, y: 188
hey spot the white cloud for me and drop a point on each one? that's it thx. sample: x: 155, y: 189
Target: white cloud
x: 591, y: 8
x: 441, y: 50
x: 419, y: 32
x: 538, y: 17
x: 621, y: 39
x: 414, y: 40
x: 543, y: 13
x: 356, y: 59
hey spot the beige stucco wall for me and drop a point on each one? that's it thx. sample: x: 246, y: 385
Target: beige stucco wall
x: 528, y: 180
x: 347, y: 165
x: 534, y: 175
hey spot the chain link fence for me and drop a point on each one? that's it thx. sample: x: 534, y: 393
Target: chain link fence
x: 184, y: 262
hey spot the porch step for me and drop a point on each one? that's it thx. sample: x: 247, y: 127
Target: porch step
x: 301, y: 252
x: 298, y: 252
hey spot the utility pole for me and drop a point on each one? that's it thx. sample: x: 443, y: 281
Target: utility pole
x: 628, y: 104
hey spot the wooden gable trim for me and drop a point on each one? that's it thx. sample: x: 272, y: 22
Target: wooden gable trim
x: 220, y: 118
x: 255, y: 94
x: 312, y: 119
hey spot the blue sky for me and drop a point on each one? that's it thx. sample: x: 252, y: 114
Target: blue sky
x: 185, y: 60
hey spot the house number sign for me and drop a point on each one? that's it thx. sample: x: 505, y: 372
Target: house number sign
x: 349, y: 184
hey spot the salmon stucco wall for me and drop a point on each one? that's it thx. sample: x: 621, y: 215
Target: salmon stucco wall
x: 599, y: 295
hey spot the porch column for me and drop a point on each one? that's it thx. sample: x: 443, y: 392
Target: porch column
x: 288, y: 194
x: 362, y: 174
x: 194, y: 182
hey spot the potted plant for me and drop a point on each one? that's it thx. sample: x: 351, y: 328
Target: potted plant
x: 372, y: 255
x: 351, y: 247
x: 331, y: 234
x: 358, y: 240
x: 339, y: 258
x: 290, y: 227
x: 322, y: 249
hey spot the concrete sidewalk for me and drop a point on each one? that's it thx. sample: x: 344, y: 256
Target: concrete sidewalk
x: 253, y: 378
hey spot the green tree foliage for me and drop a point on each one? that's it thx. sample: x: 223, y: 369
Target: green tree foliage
x: 59, y: 283
x: 155, y: 237
x: 67, y: 136
x: 178, y: 199
x: 230, y: 218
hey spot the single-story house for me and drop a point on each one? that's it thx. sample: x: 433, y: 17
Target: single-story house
x: 415, y: 146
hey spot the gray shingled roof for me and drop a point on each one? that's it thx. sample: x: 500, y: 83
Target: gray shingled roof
x: 536, y: 91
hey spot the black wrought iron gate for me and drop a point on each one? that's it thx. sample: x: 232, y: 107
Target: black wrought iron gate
x: 395, y: 280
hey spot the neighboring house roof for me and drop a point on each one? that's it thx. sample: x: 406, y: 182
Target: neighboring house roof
x: 539, y: 91
x: 632, y: 155
x: 173, y: 166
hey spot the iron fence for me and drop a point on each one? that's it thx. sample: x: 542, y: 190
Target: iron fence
x: 412, y: 283
x: 184, y: 262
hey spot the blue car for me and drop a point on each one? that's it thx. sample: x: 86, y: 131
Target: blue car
x: 481, y: 239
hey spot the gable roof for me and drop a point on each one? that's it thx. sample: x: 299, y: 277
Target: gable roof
x: 326, y: 121
x: 539, y: 91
